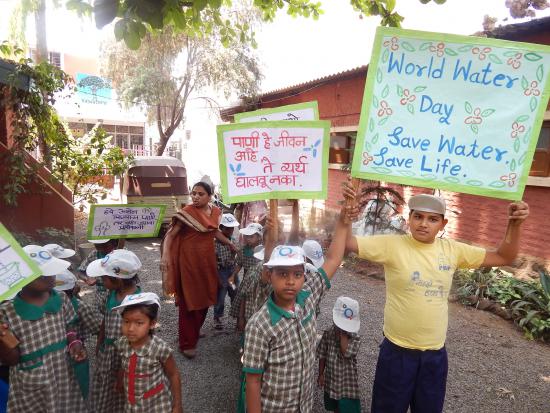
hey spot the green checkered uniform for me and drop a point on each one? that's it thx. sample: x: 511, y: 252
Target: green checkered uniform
x: 281, y: 346
x: 43, y: 380
x: 341, y: 380
x: 103, y: 398
x: 151, y: 389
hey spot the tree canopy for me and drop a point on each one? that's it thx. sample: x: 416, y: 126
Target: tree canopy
x: 134, y: 18
x: 170, y: 67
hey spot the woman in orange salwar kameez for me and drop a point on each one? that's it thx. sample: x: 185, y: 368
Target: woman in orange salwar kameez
x: 189, y: 264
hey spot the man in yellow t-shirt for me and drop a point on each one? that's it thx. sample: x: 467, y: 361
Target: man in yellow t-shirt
x: 412, y: 364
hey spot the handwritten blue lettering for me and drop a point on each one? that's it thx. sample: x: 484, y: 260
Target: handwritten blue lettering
x: 428, y: 105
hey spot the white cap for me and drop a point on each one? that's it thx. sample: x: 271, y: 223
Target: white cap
x: 286, y: 256
x: 65, y: 280
x: 229, y: 220
x: 259, y: 252
x: 48, y: 264
x: 345, y: 314
x: 141, y: 298
x: 314, y: 252
x: 99, y: 241
x: 252, y: 228
x: 58, y: 251
x: 427, y: 203
x: 119, y: 264
x: 310, y: 268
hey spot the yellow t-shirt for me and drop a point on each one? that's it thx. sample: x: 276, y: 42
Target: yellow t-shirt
x: 418, y: 280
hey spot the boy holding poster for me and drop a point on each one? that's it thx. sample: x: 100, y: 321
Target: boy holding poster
x: 280, y: 339
x: 412, y: 363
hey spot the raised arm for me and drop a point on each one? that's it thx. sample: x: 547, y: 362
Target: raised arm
x: 335, y: 253
x: 507, y: 251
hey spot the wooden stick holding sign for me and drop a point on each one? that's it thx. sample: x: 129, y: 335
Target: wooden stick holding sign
x: 274, y: 216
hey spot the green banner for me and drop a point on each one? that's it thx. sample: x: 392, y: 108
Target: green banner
x: 125, y: 221
x: 17, y: 269
x: 298, y: 111
x: 274, y: 160
x: 459, y: 113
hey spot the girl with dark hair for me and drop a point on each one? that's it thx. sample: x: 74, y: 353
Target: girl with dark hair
x: 189, y: 264
x: 148, y: 377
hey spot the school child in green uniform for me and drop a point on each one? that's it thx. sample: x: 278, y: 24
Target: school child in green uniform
x: 87, y: 323
x: 245, y: 259
x: 38, y: 340
x: 118, y: 271
x: 337, y: 353
x: 149, y: 376
x: 280, y: 338
x: 102, y: 248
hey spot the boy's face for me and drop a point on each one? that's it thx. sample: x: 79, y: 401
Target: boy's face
x: 252, y: 240
x: 425, y: 226
x: 227, y: 231
x: 287, y: 281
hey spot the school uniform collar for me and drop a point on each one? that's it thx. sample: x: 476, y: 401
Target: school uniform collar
x: 276, y: 312
x: 143, y: 351
x: 248, y: 251
x: 112, y: 302
x: 31, y: 312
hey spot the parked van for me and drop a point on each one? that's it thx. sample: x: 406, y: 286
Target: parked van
x: 156, y: 180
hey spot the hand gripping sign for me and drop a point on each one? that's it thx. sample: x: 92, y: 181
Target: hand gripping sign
x: 459, y: 113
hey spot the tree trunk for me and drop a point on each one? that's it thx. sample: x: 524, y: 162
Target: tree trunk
x: 164, y: 138
x: 42, y: 56
x: 41, y: 39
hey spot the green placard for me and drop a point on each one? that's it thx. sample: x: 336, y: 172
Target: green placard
x: 459, y: 113
x: 17, y: 269
x: 274, y: 160
x: 125, y: 221
x: 298, y: 111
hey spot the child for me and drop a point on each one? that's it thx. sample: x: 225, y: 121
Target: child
x: 226, y: 265
x: 37, y: 341
x: 119, y: 273
x: 337, y: 354
x: 87, y: 323
x: 280, y: 338
x: 148, y: 365
x: 245, y: 260
x: 419, y: 269
x: 102, y: 248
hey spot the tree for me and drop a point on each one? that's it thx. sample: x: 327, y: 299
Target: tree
x: 171, y: 67
x: 135, y: 18
x: 76, y: 162
x: 525, y: 8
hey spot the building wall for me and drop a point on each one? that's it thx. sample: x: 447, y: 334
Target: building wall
x: 339, y: 100
x: 474, y: 219
x: 76, y: 64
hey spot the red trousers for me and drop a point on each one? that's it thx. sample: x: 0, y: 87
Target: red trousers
x: 190, y: 323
